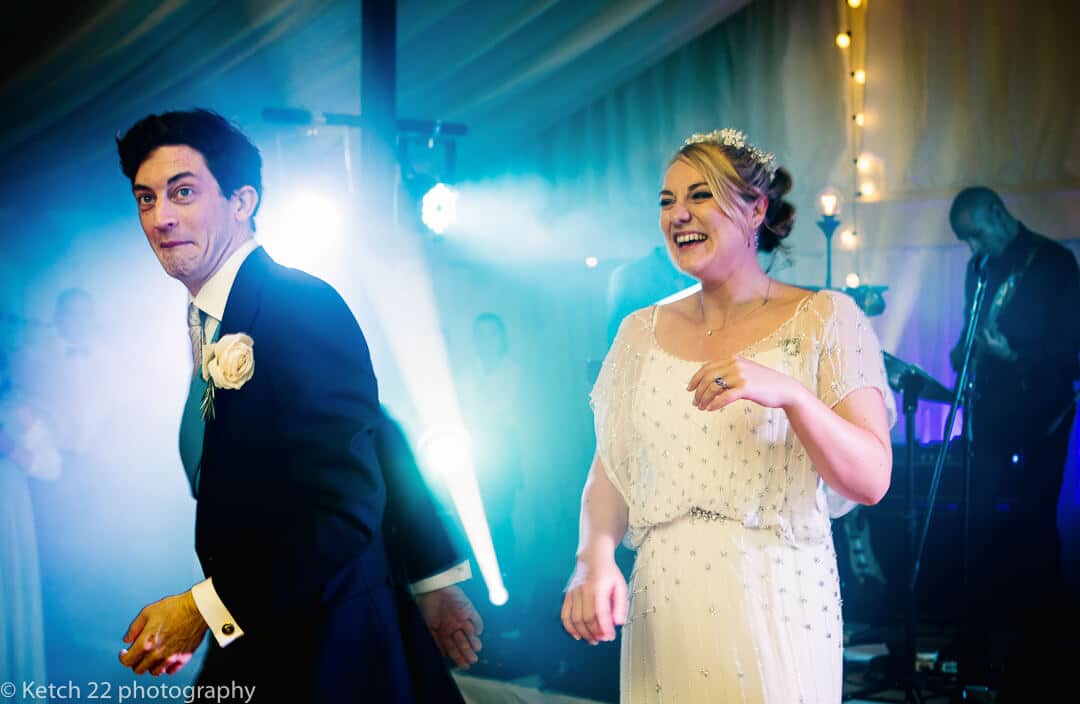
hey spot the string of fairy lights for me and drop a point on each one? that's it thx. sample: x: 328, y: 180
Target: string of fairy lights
x: 867, y: 170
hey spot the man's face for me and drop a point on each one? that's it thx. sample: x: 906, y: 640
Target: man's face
x: 188, y: 221
x: 982, y: 232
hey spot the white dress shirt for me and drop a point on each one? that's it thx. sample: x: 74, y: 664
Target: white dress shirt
x: 211, y: 300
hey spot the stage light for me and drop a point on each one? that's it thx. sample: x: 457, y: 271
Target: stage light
x: 843, y: 40
x: 439, y: 208
x: 860, y: 119
x: 859, y: 75
x: 852, y: 280
x: 311, y: 211
x: 848, y: 239
x: 304, y: 232
x: 591, y: 262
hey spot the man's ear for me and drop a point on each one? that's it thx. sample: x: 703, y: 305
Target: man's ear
x: 243, y: 202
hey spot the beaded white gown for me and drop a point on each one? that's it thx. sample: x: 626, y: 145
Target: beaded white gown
x: 734, y: 595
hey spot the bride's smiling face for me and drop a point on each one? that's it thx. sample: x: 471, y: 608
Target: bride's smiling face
x: 700, y: 236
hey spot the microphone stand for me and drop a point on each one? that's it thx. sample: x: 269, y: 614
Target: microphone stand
x: 961, y: 393
x: 903, y: 665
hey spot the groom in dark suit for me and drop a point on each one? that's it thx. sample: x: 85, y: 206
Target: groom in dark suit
x: 279, y: 441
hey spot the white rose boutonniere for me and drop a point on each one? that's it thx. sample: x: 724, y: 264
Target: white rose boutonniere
x: 228, y: 363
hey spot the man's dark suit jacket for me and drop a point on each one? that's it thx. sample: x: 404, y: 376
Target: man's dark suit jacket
x: 290, y: 509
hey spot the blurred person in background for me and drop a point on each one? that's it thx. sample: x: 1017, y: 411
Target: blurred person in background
x: 26, y: 453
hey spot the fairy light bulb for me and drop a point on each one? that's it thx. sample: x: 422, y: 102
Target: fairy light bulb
x: 852, y: 280
x: 860, y: 119
x: 864, y: 163
x: 848, y: 239
x: 843, y: 40
x: 867, y: 189
x: 860, y: 76
x: 855, y: 4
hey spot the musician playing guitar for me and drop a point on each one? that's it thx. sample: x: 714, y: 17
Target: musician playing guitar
x: 1025, y: 361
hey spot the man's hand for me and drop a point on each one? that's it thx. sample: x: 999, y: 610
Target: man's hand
x: 997, y: 344
x: 454, y: 624
x: 164, y: 636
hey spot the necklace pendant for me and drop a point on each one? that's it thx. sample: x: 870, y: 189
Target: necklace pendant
x: 708, y: 333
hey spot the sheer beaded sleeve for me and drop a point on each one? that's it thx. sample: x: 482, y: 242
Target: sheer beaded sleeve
x: 850, y: 356
x: 612, y: 399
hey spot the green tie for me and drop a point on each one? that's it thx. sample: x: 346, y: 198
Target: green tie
x: 192, y: 427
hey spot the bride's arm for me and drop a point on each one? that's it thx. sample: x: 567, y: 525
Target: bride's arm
x: 849, y: 444
x: 595, y: 599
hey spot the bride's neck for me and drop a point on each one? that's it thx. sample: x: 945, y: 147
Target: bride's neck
x: 742, y: 286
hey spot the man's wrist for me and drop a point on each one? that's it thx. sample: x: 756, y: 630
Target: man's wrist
x: 192, y: 608
x: 214, y: 613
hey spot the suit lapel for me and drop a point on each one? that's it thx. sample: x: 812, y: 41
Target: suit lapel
x: 246, y: 294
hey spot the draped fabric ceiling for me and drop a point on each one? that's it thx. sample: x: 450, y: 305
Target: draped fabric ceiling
x: 958, y: 93
x: 73, y: 74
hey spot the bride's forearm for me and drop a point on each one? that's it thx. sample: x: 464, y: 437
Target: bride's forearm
x: 603, y: 516
x: 849, y: 446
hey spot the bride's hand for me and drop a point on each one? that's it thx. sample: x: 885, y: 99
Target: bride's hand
x: 595, y: 601
x: 742, y: 380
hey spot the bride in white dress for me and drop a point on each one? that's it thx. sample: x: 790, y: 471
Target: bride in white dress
x: 720, y: 419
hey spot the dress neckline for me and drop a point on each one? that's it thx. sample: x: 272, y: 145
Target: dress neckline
x: 741, y: 351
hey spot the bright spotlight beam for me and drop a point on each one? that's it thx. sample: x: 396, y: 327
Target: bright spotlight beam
x: 402, y: 297
x: 447, y: 450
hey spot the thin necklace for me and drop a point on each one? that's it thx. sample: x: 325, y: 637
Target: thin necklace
x: 764, y: 300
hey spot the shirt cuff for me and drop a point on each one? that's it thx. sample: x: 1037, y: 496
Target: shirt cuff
x: 217, y: 617
x: 458, y: 573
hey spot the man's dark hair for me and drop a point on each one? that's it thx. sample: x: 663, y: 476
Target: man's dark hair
x: 231, y: 157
